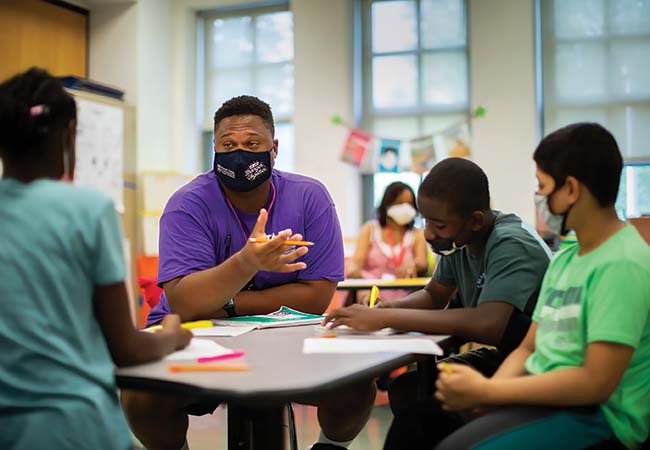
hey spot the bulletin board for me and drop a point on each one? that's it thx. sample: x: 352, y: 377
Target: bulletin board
x: 100, y: 148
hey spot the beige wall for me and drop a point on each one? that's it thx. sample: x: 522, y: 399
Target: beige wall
x: 158, y: 40
x: 502, y: 75
x: 323, y: 73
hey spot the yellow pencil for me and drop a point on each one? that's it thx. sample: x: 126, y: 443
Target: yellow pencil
x: 446, y: 367
x: 208, y: 368
x: 187, y: 325
x: 374, y: 292
x: 287, y: 242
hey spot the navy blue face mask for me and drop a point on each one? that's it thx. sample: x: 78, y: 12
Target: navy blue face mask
x: 241, y: 170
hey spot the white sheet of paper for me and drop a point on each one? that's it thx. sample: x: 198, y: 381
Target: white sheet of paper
x: 221, y: 331
x: 199, y: 348
x: 342, y: 345
x: 346, y: 330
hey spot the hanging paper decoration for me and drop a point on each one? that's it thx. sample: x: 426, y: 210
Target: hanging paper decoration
x: 389, y: 155
x: 423, y: 154
x: 356, y: 146
x: 454, y: 142
x: 425, y: 151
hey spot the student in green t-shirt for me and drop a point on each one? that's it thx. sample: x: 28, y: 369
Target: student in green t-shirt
x: 580, y: 377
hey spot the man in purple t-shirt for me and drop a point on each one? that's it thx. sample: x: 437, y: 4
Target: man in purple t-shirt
x: 209, y: 268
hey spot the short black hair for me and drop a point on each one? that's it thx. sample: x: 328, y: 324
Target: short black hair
x: 586, y: 151
x: 246, y: 105
x: 34, y: 106
x: 460, y: 183
x: 393, y: 191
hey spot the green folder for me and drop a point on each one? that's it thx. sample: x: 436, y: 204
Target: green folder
x: 283, y: 317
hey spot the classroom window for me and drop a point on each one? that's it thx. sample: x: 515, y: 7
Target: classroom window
x: 249, y: 52
x: 595, y: 67
x: 415, y: 75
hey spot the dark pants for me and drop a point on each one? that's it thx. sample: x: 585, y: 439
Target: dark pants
x: 403, y: 391
x: 421, y: 424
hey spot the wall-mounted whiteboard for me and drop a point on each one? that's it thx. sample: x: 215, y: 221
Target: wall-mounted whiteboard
x: 100, y: 148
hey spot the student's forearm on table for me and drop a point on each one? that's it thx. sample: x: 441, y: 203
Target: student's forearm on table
x: 470, y: 324
x: 571, y: 386
x: 203, y: 294
x: 143, y: 347
x: 299, y: 295
x: 420, y: 299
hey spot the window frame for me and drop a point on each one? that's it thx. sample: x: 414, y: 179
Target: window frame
x: 254, y: 68
x: 368, y: 114
x: 546, y: 44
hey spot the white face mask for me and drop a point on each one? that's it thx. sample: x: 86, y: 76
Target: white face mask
x: 555, y: 222
x: 402, y: 214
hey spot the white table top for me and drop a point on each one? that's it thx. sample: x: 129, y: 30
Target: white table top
x: 279, y: 372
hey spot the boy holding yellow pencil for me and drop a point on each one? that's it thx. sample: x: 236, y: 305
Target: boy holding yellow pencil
x: 492, y: 262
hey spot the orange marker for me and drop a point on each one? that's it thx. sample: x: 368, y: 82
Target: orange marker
x: 327, y: 336
x: 208, y: 368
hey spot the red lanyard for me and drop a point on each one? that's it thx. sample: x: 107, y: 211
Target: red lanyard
x: 397, y: 259
x: 234, y: 213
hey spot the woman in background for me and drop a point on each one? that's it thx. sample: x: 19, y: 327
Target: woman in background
x: 390, y: 247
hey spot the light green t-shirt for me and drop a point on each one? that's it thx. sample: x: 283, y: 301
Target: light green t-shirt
x: 57, y: 387
x: 601, y: 296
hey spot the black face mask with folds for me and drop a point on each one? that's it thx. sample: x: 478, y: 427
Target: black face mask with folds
x: 444, y: 247
x: 241, y: 170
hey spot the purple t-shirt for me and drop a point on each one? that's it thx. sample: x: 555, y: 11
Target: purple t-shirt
x: 199, y: 230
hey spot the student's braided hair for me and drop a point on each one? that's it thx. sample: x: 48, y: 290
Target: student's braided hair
x: 34, y: 108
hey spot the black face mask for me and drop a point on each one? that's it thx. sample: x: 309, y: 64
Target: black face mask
x: 241, y: 170
x: 442, y: 246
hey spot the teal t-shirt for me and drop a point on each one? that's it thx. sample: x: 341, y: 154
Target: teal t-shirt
x: 510, y: 268
x: 601, y: 296
x: 57, y: 387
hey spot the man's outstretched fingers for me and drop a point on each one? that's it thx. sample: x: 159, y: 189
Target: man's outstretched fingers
x: 260, y: 225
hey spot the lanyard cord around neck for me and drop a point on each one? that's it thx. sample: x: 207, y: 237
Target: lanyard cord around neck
x: 397, y: 259
x: 234, y: 213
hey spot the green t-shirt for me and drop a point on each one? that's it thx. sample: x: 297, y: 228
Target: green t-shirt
x: 57, y: 387
x: 601, y: 296
x: 510, y: 268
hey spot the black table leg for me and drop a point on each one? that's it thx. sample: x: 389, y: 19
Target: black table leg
x: 426, y: 374
x: 351, y: 297
x: 255, y: 428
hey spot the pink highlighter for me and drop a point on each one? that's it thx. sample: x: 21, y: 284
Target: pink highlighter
x: 234, y: 354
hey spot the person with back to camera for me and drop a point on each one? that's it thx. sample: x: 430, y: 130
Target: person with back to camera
x: 390, y: 246
x: 64, y: 311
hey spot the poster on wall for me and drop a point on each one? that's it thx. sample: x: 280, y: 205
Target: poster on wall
x: 100, y: 149
x: 423, y: 154
x: 356, y: 146
x: 389, y: 155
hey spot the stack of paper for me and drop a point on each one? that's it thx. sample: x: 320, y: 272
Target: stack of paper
x: 199, y: 348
